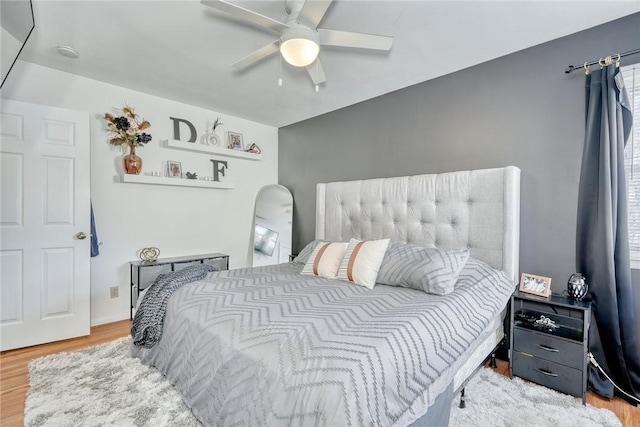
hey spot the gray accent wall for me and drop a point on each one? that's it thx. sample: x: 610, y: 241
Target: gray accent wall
x: 520, y: 109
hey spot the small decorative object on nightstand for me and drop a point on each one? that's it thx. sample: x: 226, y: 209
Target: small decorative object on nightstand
x: 577, y: 286
x: 149, y: 254
x: 143, y: 273
x: 550, y: 341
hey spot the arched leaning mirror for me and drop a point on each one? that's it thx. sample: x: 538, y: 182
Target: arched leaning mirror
x: 272, y: 225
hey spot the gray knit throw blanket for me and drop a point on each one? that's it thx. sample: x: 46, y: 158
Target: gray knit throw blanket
x: 149, y: 319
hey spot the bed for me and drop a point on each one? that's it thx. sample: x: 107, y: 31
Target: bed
x: 269, y: 346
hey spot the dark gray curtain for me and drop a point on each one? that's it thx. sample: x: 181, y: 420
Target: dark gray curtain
x: 602, y: 245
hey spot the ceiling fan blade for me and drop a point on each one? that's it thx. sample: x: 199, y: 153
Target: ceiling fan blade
x: 316, y: 72
x: 312, y: 12
x: 257, y: 55
x: 358, y: 40
x: 246, y: 15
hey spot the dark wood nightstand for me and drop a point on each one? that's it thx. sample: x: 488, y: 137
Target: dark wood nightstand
x: 143, y: 273
x: 550, y: 341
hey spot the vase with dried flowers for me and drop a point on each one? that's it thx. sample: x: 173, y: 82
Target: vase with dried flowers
x: 127, y: 129
x: 212, y: 137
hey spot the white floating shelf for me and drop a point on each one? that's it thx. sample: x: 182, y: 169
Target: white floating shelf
x: 181, y: 182
x: 194, y: 146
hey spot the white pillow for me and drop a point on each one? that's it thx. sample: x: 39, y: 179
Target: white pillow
x: 325, y: 259
x: 305, y: 253
x: 431, y: 270
x: 362, y: 260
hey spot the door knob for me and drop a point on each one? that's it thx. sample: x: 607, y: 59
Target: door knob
x: 81, y: 235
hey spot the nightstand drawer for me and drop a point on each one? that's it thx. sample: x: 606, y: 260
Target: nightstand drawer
x: 219, y: 263
x: 180, y: 265
x: 148, y: 274
x: 548, y: 347
x: 549, y: 374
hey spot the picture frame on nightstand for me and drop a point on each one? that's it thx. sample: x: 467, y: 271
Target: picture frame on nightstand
x: 535, y: 285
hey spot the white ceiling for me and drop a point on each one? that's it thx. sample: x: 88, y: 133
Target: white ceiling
x: 183, y: 50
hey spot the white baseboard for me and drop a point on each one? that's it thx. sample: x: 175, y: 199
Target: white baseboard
x: 109, y: 319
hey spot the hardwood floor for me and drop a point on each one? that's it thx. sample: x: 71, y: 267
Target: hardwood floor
x: 14, y: 379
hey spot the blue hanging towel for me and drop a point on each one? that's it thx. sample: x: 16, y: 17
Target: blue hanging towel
x: 95, y: 250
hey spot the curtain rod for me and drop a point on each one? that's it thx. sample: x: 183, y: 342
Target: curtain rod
x: 571, y: 68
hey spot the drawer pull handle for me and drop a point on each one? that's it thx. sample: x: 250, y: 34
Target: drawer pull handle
x: 547, y: 373
x: 551, y: 349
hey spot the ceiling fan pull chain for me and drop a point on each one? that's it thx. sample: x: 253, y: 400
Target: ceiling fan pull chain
x: 280, y: 71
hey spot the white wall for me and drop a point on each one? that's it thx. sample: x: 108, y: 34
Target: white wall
x: 10, y: 48
x: 178, y: 220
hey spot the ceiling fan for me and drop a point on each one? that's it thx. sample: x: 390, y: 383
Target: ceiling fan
x: 300, y: 38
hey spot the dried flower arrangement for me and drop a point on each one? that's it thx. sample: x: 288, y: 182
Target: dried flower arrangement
x: 128, y: 128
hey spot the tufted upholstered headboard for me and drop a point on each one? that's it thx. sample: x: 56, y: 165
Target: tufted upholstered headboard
x: 478, y: 209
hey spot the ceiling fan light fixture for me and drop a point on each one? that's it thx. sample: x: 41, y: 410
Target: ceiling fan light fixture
x: 299, y: 46
x: 67, y: 51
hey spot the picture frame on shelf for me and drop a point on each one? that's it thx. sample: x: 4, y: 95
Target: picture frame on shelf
x: 535, y: 285
x: 235, y: 141
x: 174, y: 169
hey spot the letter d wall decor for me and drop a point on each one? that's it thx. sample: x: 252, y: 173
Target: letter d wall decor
x: 176, y: 129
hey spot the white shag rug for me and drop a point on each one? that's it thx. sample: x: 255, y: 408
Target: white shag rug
x: 105, y: 386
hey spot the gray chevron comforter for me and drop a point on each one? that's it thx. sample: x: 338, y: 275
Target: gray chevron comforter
x: 267, y: 346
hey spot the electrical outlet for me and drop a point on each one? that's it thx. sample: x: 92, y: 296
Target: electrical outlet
x: 114, y: 292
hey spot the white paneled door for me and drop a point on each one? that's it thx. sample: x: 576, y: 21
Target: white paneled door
x: 44, y: 224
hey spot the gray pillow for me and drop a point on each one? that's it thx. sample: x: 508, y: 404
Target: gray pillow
x: 305, y: 253
x: 430, y: 270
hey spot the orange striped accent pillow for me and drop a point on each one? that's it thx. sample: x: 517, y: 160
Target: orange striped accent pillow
x: 362, y: 260
x: 325, y: 260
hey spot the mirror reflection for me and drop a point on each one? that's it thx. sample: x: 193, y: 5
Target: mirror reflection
x: 16, y: 20
x: 272, y: 225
